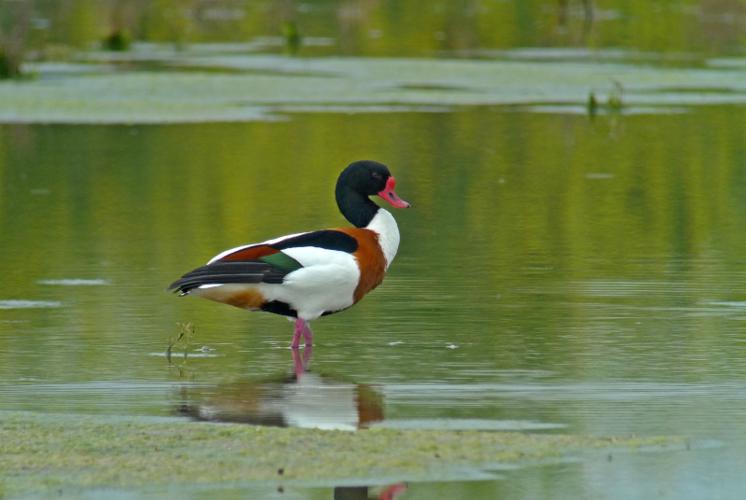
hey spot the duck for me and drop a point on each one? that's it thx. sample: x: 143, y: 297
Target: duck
x: 304, y: 276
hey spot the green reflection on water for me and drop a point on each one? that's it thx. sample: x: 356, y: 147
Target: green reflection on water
x: 605, y: 248
x: 404, y: 28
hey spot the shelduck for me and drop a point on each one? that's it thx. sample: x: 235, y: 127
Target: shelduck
x: 312, y: 274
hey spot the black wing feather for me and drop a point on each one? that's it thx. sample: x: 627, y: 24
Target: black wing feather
x: 229, y: 272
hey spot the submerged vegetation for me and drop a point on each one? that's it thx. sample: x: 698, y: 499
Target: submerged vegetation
x: 73, y: 452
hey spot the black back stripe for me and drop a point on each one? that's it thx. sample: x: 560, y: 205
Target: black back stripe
x: 328, y: 239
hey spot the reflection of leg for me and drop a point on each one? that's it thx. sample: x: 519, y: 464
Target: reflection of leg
x: 307, y: 356
x: 393, y: 491
x: 308, y: 334
x: 300, y: 326
x: 298, y: 367
x: 300, y: 364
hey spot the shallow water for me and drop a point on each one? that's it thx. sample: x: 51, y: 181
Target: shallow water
x: 558, y: 273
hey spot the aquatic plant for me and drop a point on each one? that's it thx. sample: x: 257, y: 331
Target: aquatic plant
x: 14, y: 26
x: 75, y: 452
x: 118, y: 41
x: 252, y: 87
x: 293, y: 39
x: 183, y: 338
x: 10, y: 64
x: 592, y: 104
x: 614, y: 101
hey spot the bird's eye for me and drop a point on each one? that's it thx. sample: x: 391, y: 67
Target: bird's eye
x: 376, y: 175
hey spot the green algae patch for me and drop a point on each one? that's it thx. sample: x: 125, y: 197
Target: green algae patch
x: 42, y: 452
x: 187, y: 87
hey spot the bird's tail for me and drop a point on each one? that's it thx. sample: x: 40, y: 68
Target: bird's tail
x: 221, y: 273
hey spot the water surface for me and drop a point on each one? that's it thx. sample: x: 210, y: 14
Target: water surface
x: 558, y: 273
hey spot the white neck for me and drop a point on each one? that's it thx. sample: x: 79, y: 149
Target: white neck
x: 384, y: 224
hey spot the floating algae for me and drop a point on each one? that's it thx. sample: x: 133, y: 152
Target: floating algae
x: 200, y: 88
x: 43, y: 452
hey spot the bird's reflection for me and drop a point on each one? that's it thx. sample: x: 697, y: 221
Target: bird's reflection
x: 300, y: 398
x: 363, y: 492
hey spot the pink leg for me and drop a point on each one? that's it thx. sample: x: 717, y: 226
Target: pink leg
x: 300, y: 326
x: 308, y: 334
